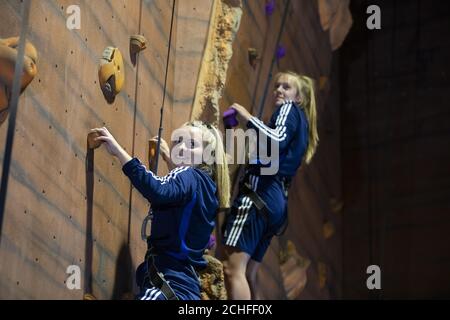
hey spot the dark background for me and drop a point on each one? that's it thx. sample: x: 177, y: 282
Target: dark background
x: 395, y: 115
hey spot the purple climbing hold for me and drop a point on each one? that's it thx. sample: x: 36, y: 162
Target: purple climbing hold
x: 211, y: 242
x: 281, y: 52
x: 270, y: 7
x: 229, y: 118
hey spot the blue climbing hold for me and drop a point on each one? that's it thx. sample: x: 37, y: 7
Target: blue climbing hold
x: 229, y: 118
x: 270, y: 7
x: 281, y: 52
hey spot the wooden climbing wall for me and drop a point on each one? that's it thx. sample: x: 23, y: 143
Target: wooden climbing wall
x: 65, y: 205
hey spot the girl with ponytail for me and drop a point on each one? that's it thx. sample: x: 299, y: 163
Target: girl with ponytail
x: 184, y: 207
x: 260, y: 210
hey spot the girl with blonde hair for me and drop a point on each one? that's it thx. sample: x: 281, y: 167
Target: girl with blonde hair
x: 184, y: 206
x: 260, y: 210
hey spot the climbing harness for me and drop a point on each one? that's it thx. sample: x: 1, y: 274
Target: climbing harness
x: 260, y: 204
x: 154, y: 278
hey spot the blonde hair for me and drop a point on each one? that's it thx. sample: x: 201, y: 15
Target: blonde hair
x: 213, y: 138
x: 305, y: 89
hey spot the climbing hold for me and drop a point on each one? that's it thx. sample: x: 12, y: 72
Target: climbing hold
x: 152, y: 149
x: 323, y: 80
x: 336, y: 205
x: 270, y: 7
x: 322, y: 272
x: 8, y: 57
x: 137, y: 44
x: 293, y: 268
x: 211, y: 242
x: 89, y: 296
x: 111, y: 73
x: 92, y: 143
x: 229, y: 118
x: 328, y: 230
x: 253, y: 57
x: 281, y: 52
x: 212, y: 280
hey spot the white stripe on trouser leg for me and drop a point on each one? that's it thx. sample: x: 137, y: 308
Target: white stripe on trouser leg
x: 156, y: 296
x: 237, y: 221
x: 246, y: 210
x: 148, y: 292
x: 152, y: 295
x: 243, y: 218
x: 145, y: 294
x: 152, y: 291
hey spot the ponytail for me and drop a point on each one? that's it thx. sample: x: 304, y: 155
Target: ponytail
x: 309, y: 103
x: 221, y: 173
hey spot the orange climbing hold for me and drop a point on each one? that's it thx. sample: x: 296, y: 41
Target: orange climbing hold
x: 8, y: 57
x: 92, y: 143
x: 111, y: 73
x: 253, y: 57
x: 137, y: 44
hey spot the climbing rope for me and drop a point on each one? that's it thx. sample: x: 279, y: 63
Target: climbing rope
x: 274, y: 59
x: 13, y: 109
x: 149, y: 216
x: 164, y: 90
x: 268, y: 80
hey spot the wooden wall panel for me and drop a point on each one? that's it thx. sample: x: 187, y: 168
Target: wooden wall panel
x: 188, y: 37
x: 56, y: 112
x: 59, y: 214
